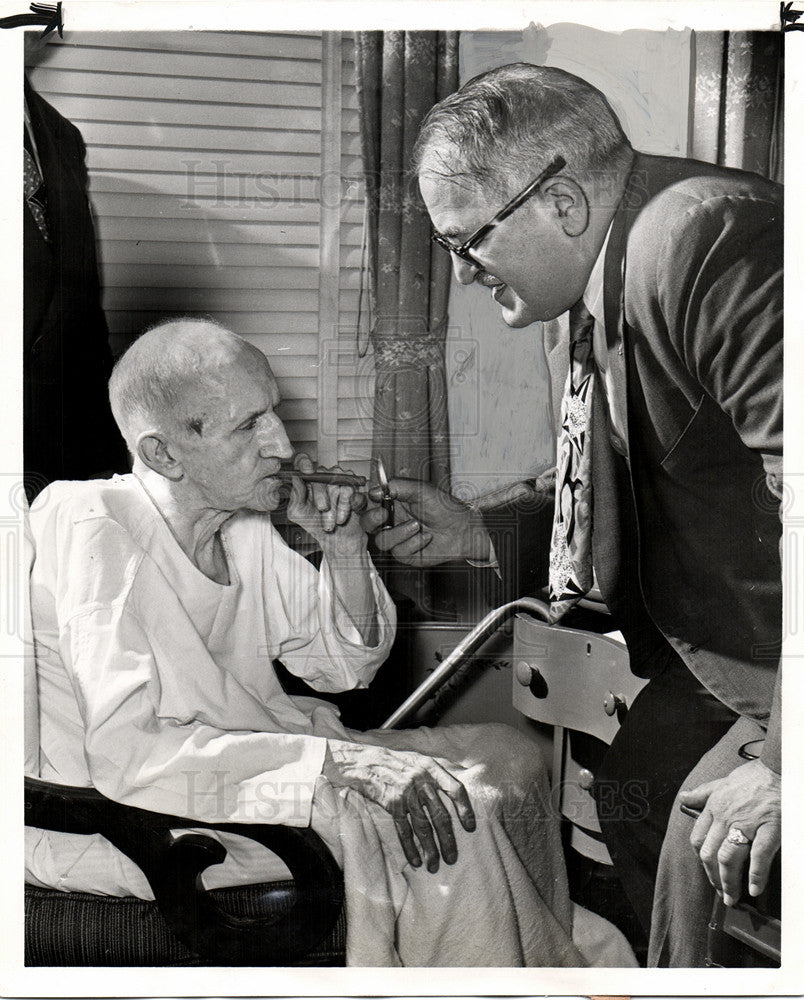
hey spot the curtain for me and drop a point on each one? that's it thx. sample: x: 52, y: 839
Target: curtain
x: 737, y: 112
x: 400, y: 75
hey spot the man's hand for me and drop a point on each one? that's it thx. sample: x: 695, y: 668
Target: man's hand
x: 326, y: 511
x: 747, y: 801
x: 407, y: 785
x: 435, y: 528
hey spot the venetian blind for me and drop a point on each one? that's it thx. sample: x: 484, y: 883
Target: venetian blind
x: 225, y: 180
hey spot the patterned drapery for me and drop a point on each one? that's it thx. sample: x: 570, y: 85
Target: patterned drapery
x: 400, y: 75
x: 737, y: 113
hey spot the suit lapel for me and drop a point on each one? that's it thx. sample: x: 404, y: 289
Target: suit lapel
x: 614, y: 293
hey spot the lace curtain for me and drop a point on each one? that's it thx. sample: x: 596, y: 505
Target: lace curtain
x: 737, y: 111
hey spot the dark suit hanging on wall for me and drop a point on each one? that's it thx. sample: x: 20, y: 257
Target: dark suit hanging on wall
x: 68, y: 430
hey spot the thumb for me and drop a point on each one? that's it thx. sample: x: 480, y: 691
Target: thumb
x: 372, y: 519
x: 411, y: 490
x: 697, y: 796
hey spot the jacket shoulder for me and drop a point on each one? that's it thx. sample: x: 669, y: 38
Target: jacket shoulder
x: 694, y: 205
x: 665, y: 190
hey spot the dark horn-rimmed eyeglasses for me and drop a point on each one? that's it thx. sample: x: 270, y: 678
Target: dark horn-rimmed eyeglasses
x: 464, y: 250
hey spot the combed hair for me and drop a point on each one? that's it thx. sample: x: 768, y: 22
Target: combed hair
x: 148, y: 385
x: 512, y: 121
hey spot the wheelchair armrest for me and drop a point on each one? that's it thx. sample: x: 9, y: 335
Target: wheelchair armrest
x: 173, y: 865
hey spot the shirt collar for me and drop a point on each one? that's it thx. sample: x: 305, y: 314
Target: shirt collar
x: 593, y: 297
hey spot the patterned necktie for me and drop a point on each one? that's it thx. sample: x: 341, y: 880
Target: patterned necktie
x: 35, y: 189
x: 571, y: 544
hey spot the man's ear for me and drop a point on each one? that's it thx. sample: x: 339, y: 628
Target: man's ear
x: 154, y: 450
x: 569, y: 203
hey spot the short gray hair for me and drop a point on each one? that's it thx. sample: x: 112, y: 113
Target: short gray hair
x: 512, y: 121
x: 149, y: 383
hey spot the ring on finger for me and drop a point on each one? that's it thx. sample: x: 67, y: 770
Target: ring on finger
x: 736, y: 836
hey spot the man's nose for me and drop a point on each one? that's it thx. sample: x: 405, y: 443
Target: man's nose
x: 274, y: 442
x: 464, y: 271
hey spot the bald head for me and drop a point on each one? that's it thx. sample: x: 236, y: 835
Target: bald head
x: 163, y: 380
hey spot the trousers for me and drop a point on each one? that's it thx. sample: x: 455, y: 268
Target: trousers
x: 672, y: 723
x: 683, y: 897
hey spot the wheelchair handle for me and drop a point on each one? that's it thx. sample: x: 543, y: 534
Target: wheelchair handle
x: 465, y: 649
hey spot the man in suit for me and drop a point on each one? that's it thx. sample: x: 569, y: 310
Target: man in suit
x: 68, y: 429
x: 670, y: 271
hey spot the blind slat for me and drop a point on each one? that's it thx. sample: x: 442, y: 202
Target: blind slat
x: 226, y: 188
x: 252, y: 140
x: 133, y: 298
x: 206, y: 299
x: 217, y: 231
x: 159, y: 205
x: 220, y: 65
x: 178, y: 275
x: 246, y: 324
x: 119, y: 107
x: 291, y: 45
x: 197, y: 90
x: 197, y: 165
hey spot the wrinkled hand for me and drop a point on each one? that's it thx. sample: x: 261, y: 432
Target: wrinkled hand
x: 407, y: 785
x: 435, y: 527
x: 326, y: 511
x: 749, y: 799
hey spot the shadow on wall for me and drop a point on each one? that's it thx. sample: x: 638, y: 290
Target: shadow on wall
x: 210, y: 253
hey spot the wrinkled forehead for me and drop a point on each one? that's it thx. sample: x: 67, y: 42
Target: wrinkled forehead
x: 447, y: 183
x: 236, y: 385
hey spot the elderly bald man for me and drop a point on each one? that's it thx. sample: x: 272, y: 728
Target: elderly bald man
x: 159, y: 601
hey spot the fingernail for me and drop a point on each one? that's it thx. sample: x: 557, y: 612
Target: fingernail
x: 432, y: 867
x: 727, y: 899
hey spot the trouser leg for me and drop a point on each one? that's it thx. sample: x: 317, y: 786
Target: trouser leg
x: 683, y: 898
x: 672, y: 723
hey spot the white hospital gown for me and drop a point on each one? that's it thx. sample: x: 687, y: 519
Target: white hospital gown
x: 156, y: 686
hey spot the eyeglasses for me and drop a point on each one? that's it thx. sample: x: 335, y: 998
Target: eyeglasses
x: 464, y: 249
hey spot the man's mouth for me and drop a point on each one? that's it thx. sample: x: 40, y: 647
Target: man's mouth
x: 494, y: 285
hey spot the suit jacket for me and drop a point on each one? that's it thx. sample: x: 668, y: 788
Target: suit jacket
x: 68, y: 429
x: 686, y: 533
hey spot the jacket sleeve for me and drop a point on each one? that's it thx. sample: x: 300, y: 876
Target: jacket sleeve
x: 520, y: 536
x: 725, y: 323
